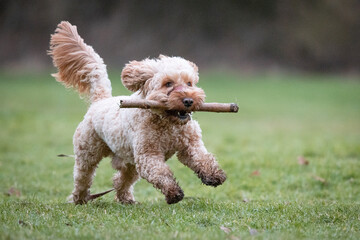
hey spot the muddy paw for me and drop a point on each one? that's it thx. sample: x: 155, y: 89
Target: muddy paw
x: 174, y: 197
x: 126, y: 198
x: 77, y: 200
x: 127, y: 201
x: 215, y: 179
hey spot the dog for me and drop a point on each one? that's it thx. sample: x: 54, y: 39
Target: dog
x: 139, y: 141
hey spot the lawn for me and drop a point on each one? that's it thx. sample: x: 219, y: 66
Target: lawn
x: 268, y: 193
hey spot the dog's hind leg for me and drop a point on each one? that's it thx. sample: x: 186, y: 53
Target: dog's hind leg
x: 124, y: 180
x: 83, y: 176
x: 89, y: 149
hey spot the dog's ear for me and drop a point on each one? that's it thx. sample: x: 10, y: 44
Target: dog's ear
x: 135, y: 74
x: 161, y: 56
x: 194, y: 66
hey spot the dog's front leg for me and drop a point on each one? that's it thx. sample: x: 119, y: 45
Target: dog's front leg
x: 196, y: 157
x: 154, y: 169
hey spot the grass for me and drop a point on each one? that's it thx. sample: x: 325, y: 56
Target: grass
x: 268, y: 195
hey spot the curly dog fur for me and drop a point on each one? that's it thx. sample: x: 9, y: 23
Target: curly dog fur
x: 139, y: 141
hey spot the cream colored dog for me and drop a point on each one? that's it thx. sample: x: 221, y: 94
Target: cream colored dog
x: 139, y: 141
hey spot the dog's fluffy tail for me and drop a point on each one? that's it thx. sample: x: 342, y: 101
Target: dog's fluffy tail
x: 78, y: 64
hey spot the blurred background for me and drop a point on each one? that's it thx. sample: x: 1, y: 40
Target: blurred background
x: 307, y: 35
x: 291, y: 153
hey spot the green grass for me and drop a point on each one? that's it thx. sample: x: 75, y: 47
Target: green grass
x: 281, y: 117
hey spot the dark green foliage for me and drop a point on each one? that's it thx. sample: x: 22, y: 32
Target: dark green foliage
x: 321, y: 35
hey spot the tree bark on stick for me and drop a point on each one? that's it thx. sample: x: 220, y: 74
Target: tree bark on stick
x: 205, y: 107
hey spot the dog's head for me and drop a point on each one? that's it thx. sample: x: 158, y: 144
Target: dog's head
x: 171, y: 80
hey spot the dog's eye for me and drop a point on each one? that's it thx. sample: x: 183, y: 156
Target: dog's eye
x: 169, y: 84
x: 189, y: 84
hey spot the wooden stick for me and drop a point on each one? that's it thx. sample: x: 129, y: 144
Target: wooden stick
x: 205, y: 107
x: 65, y: 155
x: 97, y: 195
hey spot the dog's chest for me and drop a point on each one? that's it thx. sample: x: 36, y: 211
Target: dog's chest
x: 170, y: 144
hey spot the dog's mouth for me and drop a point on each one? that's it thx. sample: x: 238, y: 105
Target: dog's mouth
x: 182, y: 115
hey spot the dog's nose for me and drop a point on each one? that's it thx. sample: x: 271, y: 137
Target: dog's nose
x: 188, y: 102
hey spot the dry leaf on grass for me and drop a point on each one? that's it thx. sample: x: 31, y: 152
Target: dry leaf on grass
x: 13, y: 192
x: 320, y: 179
x: 22, y: 223
x: 302, y: 160
x: 225, y: 229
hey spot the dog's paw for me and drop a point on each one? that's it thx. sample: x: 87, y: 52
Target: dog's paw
x: 214, y: 179
x: 77, y: 200
x: 126, y: 200
x: 174, y: 196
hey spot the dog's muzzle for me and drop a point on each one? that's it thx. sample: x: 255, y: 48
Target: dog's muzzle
x: 181, y: 115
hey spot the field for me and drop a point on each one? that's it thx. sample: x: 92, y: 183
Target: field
x: 269, y: 194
